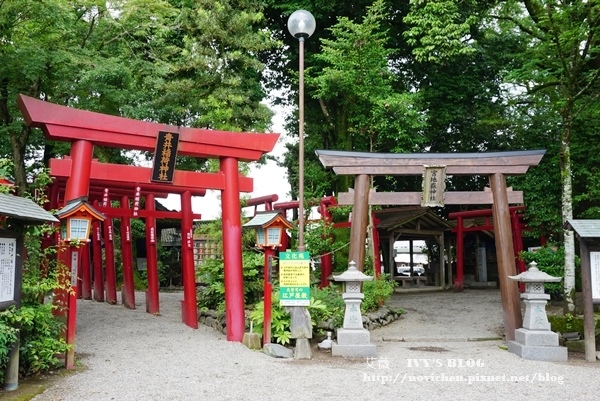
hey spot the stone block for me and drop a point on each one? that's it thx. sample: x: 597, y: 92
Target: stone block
x: 354, y: 351
x: 536, y: 337
x: 302, y: 349
x: 277, y: 351
x: 251, y: 340
x: 353, y: 337
x: 539, y: 353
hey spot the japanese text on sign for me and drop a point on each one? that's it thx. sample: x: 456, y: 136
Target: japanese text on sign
x: 294, y: 278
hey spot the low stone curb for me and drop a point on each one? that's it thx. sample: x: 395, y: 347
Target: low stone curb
x: 371, y: 320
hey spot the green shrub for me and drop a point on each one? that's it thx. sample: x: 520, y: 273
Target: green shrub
x: 211, y: 294
x: 377, y: 292
x: 551, y: 261
x: 8, y: 336
x: 280, y: 319
x: 42, y: 337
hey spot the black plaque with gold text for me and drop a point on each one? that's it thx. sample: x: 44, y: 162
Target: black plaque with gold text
x: 164, y: 157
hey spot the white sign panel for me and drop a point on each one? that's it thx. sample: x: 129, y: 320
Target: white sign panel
x: 595, y: 281
x: 8, y: 269
x: 74, y: 265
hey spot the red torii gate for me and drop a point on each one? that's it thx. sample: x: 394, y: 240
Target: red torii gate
x: 86, y: 129
x: 517, y: 227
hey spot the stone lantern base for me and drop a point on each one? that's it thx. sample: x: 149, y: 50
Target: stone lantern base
x: 353, y: 343
x: 537, y: 345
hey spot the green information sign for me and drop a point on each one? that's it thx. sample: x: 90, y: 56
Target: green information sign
x: 294, y: 279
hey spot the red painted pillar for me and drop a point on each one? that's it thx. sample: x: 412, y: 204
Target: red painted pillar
x: 81, y: 167
x: 128, y: 289
x: 459, y: 281
x: 152, y: 301
x: 109, y: 258
x: 77, y: 187
x: 97, y: 260
x: 72, y: 255
x: 232, y: 251
x: 189, y: 312
x: 268, y: 292
x: 86, y: 273
x: 61, y: 297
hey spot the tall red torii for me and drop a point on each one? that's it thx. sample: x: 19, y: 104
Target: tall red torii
x: 84, y: 129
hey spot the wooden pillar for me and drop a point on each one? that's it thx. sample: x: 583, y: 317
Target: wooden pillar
x: 440, y: 279
x: 391, y: 258
x: 505, y: 255
x: 460, y: 256
x: 189, y: 312
x: 376, y: 246
x: 152, y: 300
x: 589, y: 333
x: 128, y: 289
x: 232, y: 251
x: 360, y: 217
x: 411, y: 260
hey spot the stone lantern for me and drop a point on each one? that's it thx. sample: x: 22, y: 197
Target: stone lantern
x: 353, y: 340
x: 535, y: 340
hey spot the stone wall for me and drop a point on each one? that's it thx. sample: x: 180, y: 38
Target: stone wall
x: 212, y: 319
x: 372, y: 320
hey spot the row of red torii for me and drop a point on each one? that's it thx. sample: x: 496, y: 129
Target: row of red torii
x: 80, y: 176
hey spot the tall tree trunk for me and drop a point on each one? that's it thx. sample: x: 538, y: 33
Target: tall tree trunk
x: 567, y: 210
x: 18, y: 142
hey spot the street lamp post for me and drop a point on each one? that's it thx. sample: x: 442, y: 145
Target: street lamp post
x: 301, y: 25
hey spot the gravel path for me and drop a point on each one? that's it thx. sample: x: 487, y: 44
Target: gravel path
x: 131, y: 355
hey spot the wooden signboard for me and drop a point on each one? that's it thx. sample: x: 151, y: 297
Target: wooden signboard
x: 164, y: 157
x: 10, y: 270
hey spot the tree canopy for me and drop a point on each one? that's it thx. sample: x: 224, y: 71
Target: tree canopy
x: 385, y: 76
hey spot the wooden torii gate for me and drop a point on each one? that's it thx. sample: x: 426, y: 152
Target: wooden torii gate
x: 496, y: 165
x: 86, y: 129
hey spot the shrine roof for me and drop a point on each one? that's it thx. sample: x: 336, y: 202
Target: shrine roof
x: 413, y: 218
x: 586, y: 228
x: 24, y: 209
x: 263, y: 219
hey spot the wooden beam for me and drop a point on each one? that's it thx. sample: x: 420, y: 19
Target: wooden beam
x: 417, y: 232
x: 414, y: 198
x: 418, y: 170
x: 331, y: 158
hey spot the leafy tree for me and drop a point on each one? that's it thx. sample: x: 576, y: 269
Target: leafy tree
x: 177, y: 62
x: 558, y: 64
